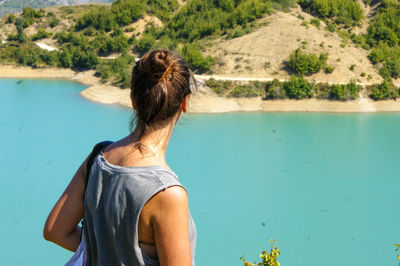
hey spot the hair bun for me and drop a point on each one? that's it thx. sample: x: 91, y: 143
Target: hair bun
x: 160, y: 82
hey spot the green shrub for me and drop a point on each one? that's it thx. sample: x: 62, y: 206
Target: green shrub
x: 384, y: 91
x: 29, y: 14
x: 41, y: 34
x: 346, y: 12
x: 275, y: 90
x: 194, y: 57
x: 305, y: 64
x: 132, y: 40
x: 201, y: 18
x: 145, y: 43
x: 240, y: 32
x: 10, y: 18
x: 385, y: 27
x: 218, y: 86
x: 129, y: 29
x: 298, y: 88
x: 284, y: 4
x: 316, y: 22
x: 54, y: 22
x: 380, y: 53
x: 162, y: 9
x: 127, y: 11
x: 323, y: 91
x: 391, y: 69
x: 329, y: 69
x: 116, y: 44
x: 101, y: 19
x: 19, y: 23
x: 79, y: 57
x: 12, y: 37
x: 166, y: 43
x: 360, y: 41
x: 331, y: 27
x: 252, y: 89
x: 119, y: 69
x: 345, y: 92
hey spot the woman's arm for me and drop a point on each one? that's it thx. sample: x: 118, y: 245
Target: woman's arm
x: 171, y: 228
x: 62, y: 223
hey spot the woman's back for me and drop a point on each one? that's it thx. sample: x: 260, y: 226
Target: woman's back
x: 132, y: 197
x: 114, y: 199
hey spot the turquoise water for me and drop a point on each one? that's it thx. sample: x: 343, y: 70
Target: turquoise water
x: 325, y: 186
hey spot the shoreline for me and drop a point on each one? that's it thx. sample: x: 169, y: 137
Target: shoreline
x: 204, y: 100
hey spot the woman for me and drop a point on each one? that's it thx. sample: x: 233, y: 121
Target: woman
x: 135, y: 210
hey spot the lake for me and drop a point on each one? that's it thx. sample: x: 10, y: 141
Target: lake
x: 325, y: 186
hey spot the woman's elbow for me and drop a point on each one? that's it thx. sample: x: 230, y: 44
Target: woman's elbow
x: 47, y: 234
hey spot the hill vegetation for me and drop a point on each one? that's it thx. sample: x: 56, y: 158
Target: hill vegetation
x: 299, y: 88
x: 382, y: 37
x: 16, y: 6
x: 107, y: 38
x: 101, y: 32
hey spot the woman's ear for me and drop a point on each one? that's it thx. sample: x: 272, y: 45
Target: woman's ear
x: 184, y: 103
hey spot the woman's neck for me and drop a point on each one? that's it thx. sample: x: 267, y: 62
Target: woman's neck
x: 155, y: 142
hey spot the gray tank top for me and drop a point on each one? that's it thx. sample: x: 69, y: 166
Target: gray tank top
x: 113, y: 201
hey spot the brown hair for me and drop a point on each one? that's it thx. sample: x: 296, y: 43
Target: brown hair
x: 160, y: 82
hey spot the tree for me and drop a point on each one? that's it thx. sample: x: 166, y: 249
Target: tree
x: 384, y: 91
x: 126, y: 11
x: 194, y: 57
x: 145, y: 43
x: 298, y: 88
x: 305, y: 64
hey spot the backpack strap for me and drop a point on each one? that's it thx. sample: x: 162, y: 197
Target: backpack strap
x: 95, y: 152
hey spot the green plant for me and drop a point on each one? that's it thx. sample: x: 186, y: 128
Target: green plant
x: 267, y: 65
x: 54, y: 22
x: 201, y: 18
x: 10, y: 18
x: 145, y: 43
x: 194, y: 57
x: 41, y: 34
x: 218, y: 86
x: 298, y: 88
x: 305, y: 24
x: 329, y: 69
x: 305, y: 64
x: 331, y: 27
x: 275, y: 90
x: 384, y: 91
x: 342, y: 11
x: 268, y: 259
x: 316, y: 22
x: 251, y: 89
x: 345, y: 92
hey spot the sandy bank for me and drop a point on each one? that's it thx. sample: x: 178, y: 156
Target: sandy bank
x: 204, y: 100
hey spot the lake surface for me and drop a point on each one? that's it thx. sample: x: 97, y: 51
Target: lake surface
x: 325, y: 186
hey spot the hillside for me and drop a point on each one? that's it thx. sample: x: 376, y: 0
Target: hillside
x: 263, y: 53
x: 16, y: 6
x: 323, y: 40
